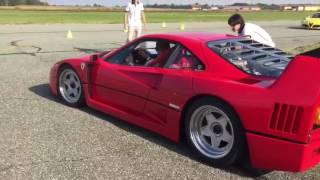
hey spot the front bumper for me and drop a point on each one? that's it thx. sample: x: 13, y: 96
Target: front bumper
x: 276, y: 154
x: 305, y: 23
x: 53, y: 80
x: 310, y: 24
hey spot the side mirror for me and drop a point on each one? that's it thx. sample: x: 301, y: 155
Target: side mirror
x: 94, y: 58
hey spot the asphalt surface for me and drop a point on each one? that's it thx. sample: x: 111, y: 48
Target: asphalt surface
x: 40, y: 138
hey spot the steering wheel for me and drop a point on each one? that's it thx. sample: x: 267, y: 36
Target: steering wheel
x: 140, y: 56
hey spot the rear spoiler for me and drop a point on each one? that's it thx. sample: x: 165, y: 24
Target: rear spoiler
x: 314, y: 53
x: 302, y: 75
x: 297, y: 90
x: 301, y: 79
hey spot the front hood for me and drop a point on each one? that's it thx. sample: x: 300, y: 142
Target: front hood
x: 82, y: 59
x: 87, y: 57
x: 313, y: 20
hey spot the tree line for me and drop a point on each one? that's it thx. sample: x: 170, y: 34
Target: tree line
x: 207, y: 6
x: 20, y: 2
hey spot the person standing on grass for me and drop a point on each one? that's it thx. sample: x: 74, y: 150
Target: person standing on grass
x: 134, y: 19
x: 252, y: 31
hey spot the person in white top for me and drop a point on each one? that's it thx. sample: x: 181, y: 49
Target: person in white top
x: 253, y: 31
x: 134, y: 17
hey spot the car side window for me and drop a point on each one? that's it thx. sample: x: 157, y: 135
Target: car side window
x: 120, y: 56
x: 149, y: 53
x: 185, y: 60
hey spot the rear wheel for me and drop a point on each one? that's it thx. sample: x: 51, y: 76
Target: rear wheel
x: 70, y: 87
x: 214, y: 132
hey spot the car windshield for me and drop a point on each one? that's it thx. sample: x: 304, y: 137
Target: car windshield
x: 252, y: 57
x: 317, y: 15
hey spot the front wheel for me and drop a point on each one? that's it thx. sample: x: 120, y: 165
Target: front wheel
x: 70, y: 87
x: 214, y: 132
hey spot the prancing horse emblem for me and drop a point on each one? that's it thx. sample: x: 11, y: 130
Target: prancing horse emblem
x: 83, y: 65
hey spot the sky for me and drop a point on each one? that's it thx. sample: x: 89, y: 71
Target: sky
x: 217, y: 2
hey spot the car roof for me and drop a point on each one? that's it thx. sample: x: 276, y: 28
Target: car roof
x: 193, y: 36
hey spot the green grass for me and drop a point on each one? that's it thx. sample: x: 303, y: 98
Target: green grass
x: 50, y: 17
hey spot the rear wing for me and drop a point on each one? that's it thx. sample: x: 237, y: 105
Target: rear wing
x: 302, y: 75
x: 301, y: 79
x: 296, y: 94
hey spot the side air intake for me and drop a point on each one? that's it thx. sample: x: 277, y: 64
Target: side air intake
x: 286, y: 118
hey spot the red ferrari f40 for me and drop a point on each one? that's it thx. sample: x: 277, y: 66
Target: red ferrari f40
x: 230, y: 97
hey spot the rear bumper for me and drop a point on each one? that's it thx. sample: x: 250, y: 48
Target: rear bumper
x: 276, y: 154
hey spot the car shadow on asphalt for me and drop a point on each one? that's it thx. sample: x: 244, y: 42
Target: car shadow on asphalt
x: 43, y: 91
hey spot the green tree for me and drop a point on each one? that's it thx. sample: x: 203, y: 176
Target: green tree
x: 20, y: 2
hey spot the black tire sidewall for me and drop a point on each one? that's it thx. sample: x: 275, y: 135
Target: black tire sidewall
x: 238, y: 149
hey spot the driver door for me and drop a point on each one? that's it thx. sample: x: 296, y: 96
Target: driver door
x: 175, y: 88
x: 123, y: 87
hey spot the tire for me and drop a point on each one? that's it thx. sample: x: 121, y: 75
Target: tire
x: 214, y: 132
x: 70, y: 87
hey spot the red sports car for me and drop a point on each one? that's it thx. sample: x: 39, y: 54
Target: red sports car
x: 230, y: 97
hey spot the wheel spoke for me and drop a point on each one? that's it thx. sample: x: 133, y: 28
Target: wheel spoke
x: 71, y: 78
x: 215, y: 141
x: 223, y: 121
x: 75, y: 92
x: 77, y: 85
x: 227, y: 137
x: 69, y: 92
x: 206, y: 131
x: 67, y: 82
x: 76, y: 78
x: 67, y: 75
x: 211, y: 119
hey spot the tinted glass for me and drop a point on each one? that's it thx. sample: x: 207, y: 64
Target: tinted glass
x: 145, y: 53
x: 184, y: 59
x: 317, y: 15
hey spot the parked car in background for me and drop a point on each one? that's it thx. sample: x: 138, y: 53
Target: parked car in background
x: 312, y: 22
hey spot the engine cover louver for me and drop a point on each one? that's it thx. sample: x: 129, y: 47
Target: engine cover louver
x: 286, y: 118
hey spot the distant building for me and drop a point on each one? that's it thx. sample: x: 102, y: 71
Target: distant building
x: 255, y: 8
x: 214, y: 8
x: 196, y: 7
x: 300, y: 7
x: 242, y: 8
x: 286, y: 7
x: 312, y: 7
